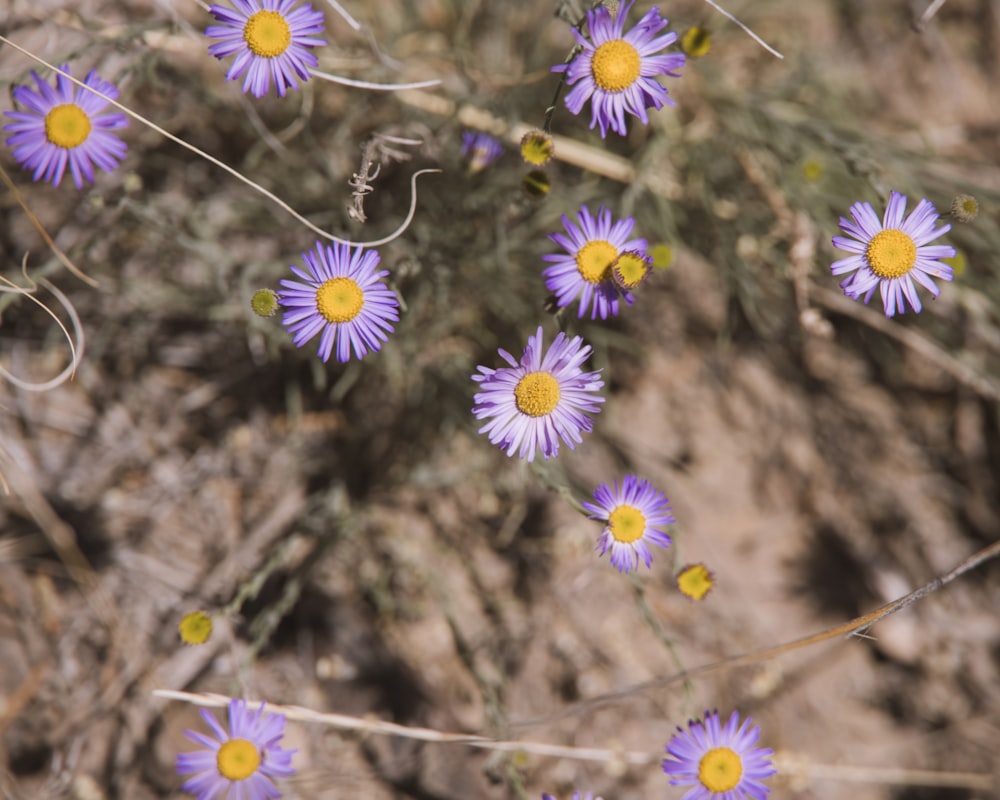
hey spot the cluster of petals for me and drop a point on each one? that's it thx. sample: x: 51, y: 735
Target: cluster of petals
x: 540, y: 400
x: 617, y: 71
x: 584, y: 271
x: 341, y: 297
x: 479, y: 150
x: 271, y: 40
x: 240, y: 763
x: 634, y: 513
x: 893, y: 254
x: 65, y: 127
x: 719, y: 762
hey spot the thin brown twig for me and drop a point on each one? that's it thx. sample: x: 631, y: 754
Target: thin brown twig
x: 63, y: 258
x: 745, y: 28
x: 911, y: 338
x: 16, y: 701
x: 928, y: 14
x: 853, y: 627
x: 567, y: 150
x: 791, y: 766
x: 786, y: 764
x: 62, y: 538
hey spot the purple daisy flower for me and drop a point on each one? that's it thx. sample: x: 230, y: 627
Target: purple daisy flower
x: 635, y: 514
x: 480, y: 150
x: 63, y: 126
x: 534, y: 403
x: 586, y: 270
x: 343, y: 298
x: 891, y: 254
x: 719, y: 762
x: 616, y: 71
x: 240, y: 763
x: 271, y: 40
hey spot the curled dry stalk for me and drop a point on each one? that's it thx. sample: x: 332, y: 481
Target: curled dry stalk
x: 233, y: 172
x: 375, y: 153
x: 76, y: 340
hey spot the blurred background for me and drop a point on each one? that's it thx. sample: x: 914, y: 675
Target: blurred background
x: 385, y: 559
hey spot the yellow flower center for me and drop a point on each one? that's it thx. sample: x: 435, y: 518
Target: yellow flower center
x: 627, y: 523
x: 615, y: 65
x: 696, y: 42
x: 195, y: 628
x: 891, y: 253
x: 264, y: 302
x: 537, y: 148
x: 695, y: 581
x: 720, y: 770
x: 67, y: 126
x: 812, y: 170
x: 662, y: 255
x: 237, y: 759
x: 339, y: 300
x: 537, y: 394
x: 630, y: 270
x: 267, y: 34
x: 594, y: 260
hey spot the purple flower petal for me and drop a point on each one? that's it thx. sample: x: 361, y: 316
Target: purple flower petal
x: 48, y: 159
x: 566, y: 278
x: 558, y: 412
x: 641, y: 504
x: 285, y: 68
x: 365, y: 327
x: 886, y: 263
x: 619, y: 78
x: 738, y: 773
x: 263, y: 731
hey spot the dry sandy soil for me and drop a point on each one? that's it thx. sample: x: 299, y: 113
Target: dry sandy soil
x: 369, y: 554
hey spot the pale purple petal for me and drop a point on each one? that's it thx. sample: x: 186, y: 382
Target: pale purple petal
x: 897, y: 291
x: 608, y: 107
